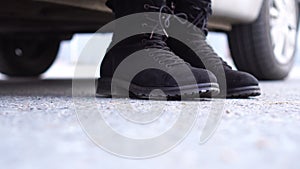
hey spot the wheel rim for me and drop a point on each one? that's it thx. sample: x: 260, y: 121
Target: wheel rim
x: 283, y: 22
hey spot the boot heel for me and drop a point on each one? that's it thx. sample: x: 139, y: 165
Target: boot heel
x: 103, y: 88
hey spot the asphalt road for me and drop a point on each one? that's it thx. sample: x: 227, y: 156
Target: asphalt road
x: 39, y: 129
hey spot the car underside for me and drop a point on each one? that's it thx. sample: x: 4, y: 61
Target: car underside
x: 43, y: 16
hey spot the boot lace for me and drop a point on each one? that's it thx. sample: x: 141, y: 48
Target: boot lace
x: 208, y: 56
x: 207, y: 53
x: 200, y: 15
x: 165, y: 55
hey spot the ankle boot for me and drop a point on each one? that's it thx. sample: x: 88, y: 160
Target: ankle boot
x: 236, y: 84
x: 167, y: 73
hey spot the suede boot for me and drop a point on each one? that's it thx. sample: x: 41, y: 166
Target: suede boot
x: 166, y: 72
x: 236, y: 84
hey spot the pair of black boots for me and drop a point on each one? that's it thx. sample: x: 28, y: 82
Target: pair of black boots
x: 153, y: 64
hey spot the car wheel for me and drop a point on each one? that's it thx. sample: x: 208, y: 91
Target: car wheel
x: 266, y: 47
x: 27, y: 56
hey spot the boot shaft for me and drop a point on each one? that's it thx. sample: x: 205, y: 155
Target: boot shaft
x: 141, y: 24
x: 145, y: 27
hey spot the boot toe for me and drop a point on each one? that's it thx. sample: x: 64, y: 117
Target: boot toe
x: 204, y: 76
x: 237, y: 79
x: 198, y: 77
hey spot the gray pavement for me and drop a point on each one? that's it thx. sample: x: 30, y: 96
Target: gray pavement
x: 39, y: 130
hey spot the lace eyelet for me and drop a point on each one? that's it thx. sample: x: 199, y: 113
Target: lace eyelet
x: 146, y: 6
x: 168, y: 66
x: 143, y: 41
x: 160, y: 62
x: 155, y: 58
x: 144, y: 24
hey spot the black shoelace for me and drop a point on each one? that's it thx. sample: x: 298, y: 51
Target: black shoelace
x: 200, y: 14
x: 164, y: 55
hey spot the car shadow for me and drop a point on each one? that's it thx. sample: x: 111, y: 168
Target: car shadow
x: 36, y: 87
x: 47, y: 88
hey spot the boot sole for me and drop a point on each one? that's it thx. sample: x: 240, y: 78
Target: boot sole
x: 244, y: 92
x: 206, y: 90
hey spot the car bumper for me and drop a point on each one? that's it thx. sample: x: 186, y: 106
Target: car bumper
x: 229, y: 12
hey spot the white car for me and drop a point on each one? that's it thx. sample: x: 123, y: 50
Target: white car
x: 262, y: 33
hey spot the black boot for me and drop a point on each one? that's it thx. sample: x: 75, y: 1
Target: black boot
x: 238, y: 84
x: 162, y: 68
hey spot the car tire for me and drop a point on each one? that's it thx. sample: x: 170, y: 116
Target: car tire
x: 27, y: 56
x: 266, y: 48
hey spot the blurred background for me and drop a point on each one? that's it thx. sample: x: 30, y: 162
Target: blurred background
x: 38, y: 122
x: 259, y: 36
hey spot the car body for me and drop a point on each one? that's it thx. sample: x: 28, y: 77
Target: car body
x: 224, y: 15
